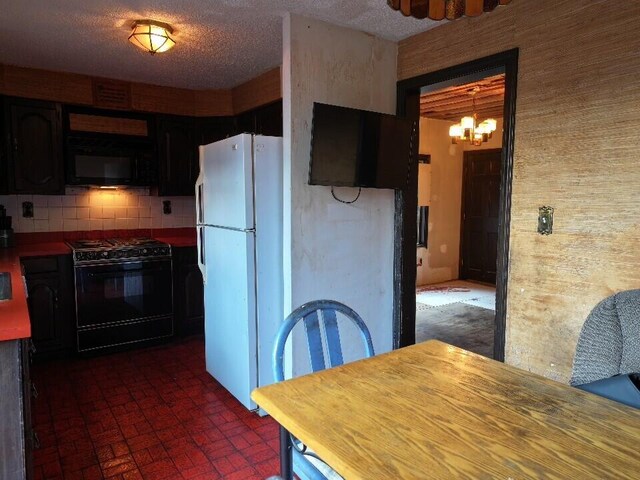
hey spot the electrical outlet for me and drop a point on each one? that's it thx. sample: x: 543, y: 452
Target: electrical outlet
x: 27, y: 209
x: 166, y: 207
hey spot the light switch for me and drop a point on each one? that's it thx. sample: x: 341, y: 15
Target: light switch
x: 545, y: 220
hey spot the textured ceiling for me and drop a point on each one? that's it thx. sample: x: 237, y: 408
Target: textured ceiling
x: 220, y: 43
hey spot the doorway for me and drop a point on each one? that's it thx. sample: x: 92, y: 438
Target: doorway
x: 407, y: 200
x: 460, y: 185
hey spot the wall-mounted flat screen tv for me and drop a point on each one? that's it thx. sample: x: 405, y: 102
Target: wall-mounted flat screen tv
x: 358, y: 148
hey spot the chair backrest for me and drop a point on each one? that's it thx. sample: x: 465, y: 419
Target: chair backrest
x: 609, y: 342
x: 314, y: 314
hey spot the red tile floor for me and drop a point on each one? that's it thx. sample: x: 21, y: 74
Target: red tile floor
x: 149, y: 414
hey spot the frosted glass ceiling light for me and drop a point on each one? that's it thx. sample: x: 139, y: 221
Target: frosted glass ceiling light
x: 152, y: 36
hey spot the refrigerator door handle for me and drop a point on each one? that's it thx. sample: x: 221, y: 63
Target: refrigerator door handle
x: 199, y: 200
x: 201, y: 253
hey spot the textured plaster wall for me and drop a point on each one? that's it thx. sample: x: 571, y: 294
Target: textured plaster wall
x: 576, y: 149
x: 333, y: 250
x: 441, y: 258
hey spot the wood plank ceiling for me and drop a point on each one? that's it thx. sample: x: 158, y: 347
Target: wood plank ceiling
x: 453, y: 103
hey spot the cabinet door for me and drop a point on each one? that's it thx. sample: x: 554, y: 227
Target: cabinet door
x: 47, y: 326
x: 28, y: 390
x: 177, y: 156
x: 193, y: 320
x: 246, y: 122
x: 269, y: 120
x: 50, y: 300
x: 36, y: 149
x: 265, y: 120
x: 215, y: 128
x: 189, y: 292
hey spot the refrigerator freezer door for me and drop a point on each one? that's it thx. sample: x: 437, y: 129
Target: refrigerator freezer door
x: 230, y: 311
x: 225, y: 185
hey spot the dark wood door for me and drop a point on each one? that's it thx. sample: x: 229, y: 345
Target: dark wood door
x: 188, y: 292
x: 480, y: 211
x: 178, y: 166
x: 36, y: 149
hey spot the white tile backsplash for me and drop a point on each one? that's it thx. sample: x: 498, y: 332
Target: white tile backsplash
x: 82, y: 212
x: 93, y: 209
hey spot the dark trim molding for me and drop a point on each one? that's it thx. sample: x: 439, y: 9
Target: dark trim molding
x: 408, y: 93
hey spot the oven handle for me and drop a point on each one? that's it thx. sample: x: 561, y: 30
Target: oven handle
x: 112, y: 273
x: 144, y: 264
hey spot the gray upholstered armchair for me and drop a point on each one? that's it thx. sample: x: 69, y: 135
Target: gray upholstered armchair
x: 609, y: 342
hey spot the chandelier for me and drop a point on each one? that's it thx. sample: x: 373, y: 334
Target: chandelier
x: 469, y: 130
x: 441, y: 9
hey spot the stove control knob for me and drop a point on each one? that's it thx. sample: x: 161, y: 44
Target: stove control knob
x: 144, y: 250
x: 104, y: 254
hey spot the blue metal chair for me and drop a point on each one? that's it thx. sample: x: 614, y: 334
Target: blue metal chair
x: 318, y: 316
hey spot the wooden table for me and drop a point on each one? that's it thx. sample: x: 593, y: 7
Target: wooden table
x: 435, y: 411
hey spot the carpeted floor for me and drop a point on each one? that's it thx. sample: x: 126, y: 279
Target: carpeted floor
x: 462, y: 325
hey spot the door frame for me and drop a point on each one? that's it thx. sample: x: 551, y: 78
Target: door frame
x: 406, y: 200
x: 465, y: 158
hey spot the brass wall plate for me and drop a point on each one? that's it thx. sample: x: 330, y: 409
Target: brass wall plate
x: 545, y: 220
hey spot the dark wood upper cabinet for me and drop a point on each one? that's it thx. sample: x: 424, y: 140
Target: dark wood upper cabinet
x: 212, y: 129
x: 269, y: 120
x: 178, y: 166
x: 265, y: 120
x: 178, y: 157
x: 34, y: 147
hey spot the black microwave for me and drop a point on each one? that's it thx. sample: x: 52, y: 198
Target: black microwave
x: 110, y: 161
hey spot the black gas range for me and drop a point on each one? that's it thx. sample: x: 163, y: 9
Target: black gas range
x: 124, y: 292
x: 117, y: 249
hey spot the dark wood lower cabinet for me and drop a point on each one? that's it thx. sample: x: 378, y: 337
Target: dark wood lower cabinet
x: 188, y: 292
x: 16, y: 431
x: 51, y: 304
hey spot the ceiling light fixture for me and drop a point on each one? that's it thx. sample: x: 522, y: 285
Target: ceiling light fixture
x: 152, y: 36
x: 441, y: 9
x: 469, y: 130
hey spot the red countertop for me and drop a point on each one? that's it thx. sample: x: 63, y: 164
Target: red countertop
x: 176, y: 237
x: 178, y: 241
x: 14, y: 313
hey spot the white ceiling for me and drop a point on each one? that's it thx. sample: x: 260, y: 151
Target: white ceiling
x: 220, y: 43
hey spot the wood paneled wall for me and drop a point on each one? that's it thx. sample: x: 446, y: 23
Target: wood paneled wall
x: 261, y: 90
x: 77, y: 90
x: 576, y: 149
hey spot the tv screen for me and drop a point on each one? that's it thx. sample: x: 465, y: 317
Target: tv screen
x: 358, y: 148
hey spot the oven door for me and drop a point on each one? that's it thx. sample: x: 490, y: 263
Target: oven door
x: 122, y: 292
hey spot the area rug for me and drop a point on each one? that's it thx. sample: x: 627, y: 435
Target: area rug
x: 459, y: 324
x: 443, y: 289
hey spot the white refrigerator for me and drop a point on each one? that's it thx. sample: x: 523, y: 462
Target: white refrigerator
x: 239, y: 223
